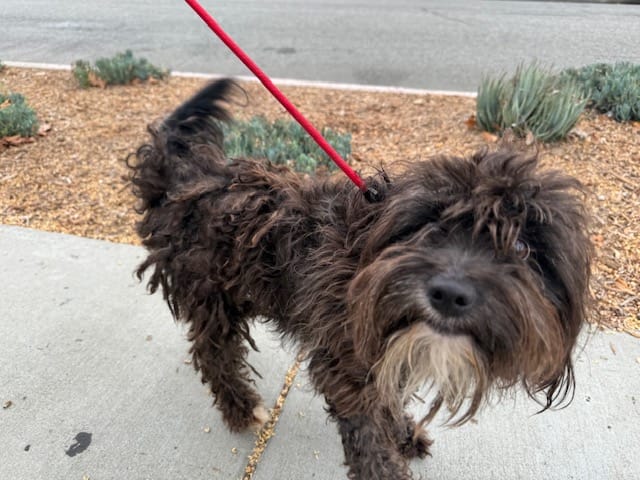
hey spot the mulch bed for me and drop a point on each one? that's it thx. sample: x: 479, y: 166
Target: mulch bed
x: 71, y: 179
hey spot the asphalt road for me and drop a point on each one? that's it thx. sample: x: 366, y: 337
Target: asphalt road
x: 439, y: 44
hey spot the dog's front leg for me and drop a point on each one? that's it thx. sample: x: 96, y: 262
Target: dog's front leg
x: 371, y: 449
x: 378, y: 437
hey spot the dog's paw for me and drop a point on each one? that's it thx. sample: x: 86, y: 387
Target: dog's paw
x: 416, y: 444
x: 245, y: 418
x: 260, y: 417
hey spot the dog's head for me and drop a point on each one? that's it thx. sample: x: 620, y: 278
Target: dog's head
x: 474, y: 278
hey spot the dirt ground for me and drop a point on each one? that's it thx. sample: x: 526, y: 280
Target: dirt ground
x: 71, y: 179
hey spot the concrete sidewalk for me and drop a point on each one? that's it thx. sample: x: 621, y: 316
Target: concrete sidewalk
x: 94, y: 371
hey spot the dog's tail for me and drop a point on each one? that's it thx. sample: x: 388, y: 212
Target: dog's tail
x: 186, y: 147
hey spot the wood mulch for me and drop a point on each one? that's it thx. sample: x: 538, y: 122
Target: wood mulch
x: 71, y: 179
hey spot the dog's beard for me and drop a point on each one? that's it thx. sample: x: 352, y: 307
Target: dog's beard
x: 417, y: 356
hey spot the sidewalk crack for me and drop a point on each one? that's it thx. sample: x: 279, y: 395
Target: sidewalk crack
x: 268, y: 429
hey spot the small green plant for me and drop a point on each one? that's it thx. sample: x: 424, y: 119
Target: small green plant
x: 122, y: 69
x: 16, y: 117
x: 81, y: 71
x: 533, y: 100
x: 283, y: 142
x: 611, y: 89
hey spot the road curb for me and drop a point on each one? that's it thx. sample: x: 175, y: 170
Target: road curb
x: 289, y: 82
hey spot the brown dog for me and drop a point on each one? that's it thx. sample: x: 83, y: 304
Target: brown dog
x: 468, y: 274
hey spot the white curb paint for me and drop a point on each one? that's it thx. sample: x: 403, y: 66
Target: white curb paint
x: 43, y: 66
x: 333, y: 86
x: 280, y: 81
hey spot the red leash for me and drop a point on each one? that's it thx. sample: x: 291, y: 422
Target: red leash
x: 266, y: 81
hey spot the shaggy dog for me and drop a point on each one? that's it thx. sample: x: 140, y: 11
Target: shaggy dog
x: 467, y: 274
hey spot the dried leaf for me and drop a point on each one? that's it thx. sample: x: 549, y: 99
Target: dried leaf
x: 16, y: 140
x: 530, y: 139
x: 489, y: 137
x: 7, y: 404
x: 621, y: 284
x: 44, y: 129
x: 471, y: 122
x: 580, y: 134
x: 96, y: 81
x: 598, y: 240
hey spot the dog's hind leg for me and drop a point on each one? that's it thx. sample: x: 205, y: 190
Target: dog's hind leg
x: 219, y: 349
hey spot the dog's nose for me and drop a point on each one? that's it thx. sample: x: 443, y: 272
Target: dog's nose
x: 451, y: 296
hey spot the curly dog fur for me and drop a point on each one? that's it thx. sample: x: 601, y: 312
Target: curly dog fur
x: 470, y: 275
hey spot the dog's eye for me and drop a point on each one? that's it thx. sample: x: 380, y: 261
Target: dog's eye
x: 522, y: 249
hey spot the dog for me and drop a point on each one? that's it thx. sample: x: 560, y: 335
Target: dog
x: 469, y: 275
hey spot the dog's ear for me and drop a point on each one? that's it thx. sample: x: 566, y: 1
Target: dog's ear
x: 566, y: 251
x: 402, y: 215
x: 374, y: 314
x: 372, y: 301
x: 559, y: 391
x: 558, y: 230
x: 365, y: 330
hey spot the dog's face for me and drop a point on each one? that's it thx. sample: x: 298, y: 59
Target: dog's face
x: 474, y: 277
